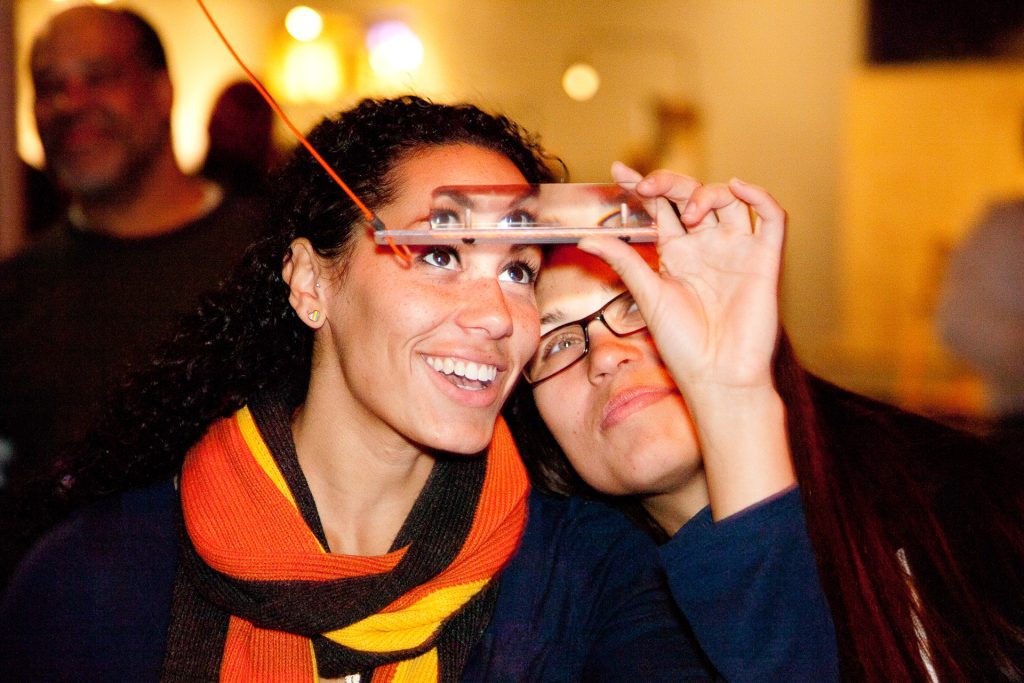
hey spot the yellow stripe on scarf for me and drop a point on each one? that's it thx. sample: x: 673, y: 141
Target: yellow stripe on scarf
x: 406, y: 628
x: 403, y: 629
x: 261, y: 453
x: 422, y: 669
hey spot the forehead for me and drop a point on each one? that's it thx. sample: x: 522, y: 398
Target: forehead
x: 457, y: 164
x: 568, y: 270
x: 83, y: 36
x: 581, y: 204
x: 573, y: 283
x: 417, y: 176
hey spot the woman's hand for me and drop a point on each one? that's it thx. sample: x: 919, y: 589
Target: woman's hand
x: 712, y: 310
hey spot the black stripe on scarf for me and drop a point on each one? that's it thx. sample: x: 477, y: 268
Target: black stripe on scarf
x: 434, y: 531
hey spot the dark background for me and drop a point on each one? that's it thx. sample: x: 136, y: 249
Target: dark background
x: 923, y: 30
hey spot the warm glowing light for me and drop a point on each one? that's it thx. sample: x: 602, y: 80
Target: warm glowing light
x: 581, y: 81
x: 312, y: 73
x: 394, y: 48
x: 304, y: 23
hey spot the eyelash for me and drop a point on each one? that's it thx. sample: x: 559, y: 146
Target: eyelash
x: 453, y: 253
x: 531, y: 271
x: 426, y: 253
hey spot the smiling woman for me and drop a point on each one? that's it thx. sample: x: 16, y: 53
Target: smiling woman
x: 386, y: 324
x: 313, y: 480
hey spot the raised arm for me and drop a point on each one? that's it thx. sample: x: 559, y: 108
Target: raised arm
x: 712, y: 310
x: 743, y: 572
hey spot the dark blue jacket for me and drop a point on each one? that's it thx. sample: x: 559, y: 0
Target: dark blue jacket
x: 749, y: 585
x: 582, y: 600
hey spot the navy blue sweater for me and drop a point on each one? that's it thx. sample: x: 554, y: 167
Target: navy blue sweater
x: 582, y: 600
x: 749, y: 585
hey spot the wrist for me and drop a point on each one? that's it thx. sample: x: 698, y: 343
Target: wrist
x: 745, y: 449
x: 709, y: 399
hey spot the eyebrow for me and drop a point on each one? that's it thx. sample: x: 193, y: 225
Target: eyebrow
x: 559, y: 316
x: 525, y: 246
x: 552, y: 317
x: 461, y: 196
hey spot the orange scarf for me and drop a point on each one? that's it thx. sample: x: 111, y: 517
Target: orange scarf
x: 291, y: 606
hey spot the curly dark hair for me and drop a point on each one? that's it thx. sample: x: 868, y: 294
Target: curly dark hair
x: 245, y: 338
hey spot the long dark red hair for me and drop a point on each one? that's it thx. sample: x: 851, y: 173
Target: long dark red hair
x: 916, y: 529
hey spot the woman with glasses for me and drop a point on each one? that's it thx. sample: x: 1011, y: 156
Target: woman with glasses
x: 663, y: 376
x: 312, y: 482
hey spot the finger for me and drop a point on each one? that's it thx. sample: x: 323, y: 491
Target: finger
x: 624, y: 174
x: 701, y: 212
x: 673, y: 190
x: 735, y: 217
x: 771, y: 217
x: 667, y: 218
x: 674, y: 186
x: 628, y: 179
x: 629, y: 265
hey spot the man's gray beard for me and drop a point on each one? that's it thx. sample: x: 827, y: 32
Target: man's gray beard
x: 119, y: 189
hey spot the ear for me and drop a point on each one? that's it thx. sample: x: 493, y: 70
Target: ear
x: 301, y: 272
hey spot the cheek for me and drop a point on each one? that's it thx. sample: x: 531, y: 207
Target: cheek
x: 526, y: 328
x: 561, y: 409
x: 43, y: 112
x: 409, y: 309
x: 406, y: 315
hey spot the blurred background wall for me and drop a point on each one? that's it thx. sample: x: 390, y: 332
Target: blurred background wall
x: 883, y: 127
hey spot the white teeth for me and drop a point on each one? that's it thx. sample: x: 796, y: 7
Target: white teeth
x: 463, y: 368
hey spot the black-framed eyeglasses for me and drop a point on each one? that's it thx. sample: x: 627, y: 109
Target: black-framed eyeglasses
x: 568, y: 344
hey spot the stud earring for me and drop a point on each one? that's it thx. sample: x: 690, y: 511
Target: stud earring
x: 313, y: 315
x: 318, y: 285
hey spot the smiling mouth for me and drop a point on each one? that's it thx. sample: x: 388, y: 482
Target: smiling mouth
x: 630, y: 402
x: 463, y: 373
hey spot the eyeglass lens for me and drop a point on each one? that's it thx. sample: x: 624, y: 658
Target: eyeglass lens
x: 566, y: 344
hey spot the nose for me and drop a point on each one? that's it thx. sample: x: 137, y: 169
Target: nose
x: 484, y: 308
x: 608, y: 353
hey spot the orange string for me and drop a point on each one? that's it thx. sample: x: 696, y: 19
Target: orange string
x: 405, y: 254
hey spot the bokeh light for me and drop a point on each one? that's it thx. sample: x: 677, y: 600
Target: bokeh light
x: 394, y: 48
x: 304, y: 23
x: 581, y: 81
x: 312, y: 73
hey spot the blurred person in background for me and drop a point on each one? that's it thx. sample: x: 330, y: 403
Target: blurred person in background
x: 138, y: 245
x: 980, y: 316
x: 45, y: 203
x: 242, y: 150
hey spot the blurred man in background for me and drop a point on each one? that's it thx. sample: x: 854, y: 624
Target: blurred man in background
x: 139, y: 245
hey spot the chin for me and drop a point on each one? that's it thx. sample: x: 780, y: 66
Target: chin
x: 647, y: 471
x: 464, y: 441
x: 97, y: 188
